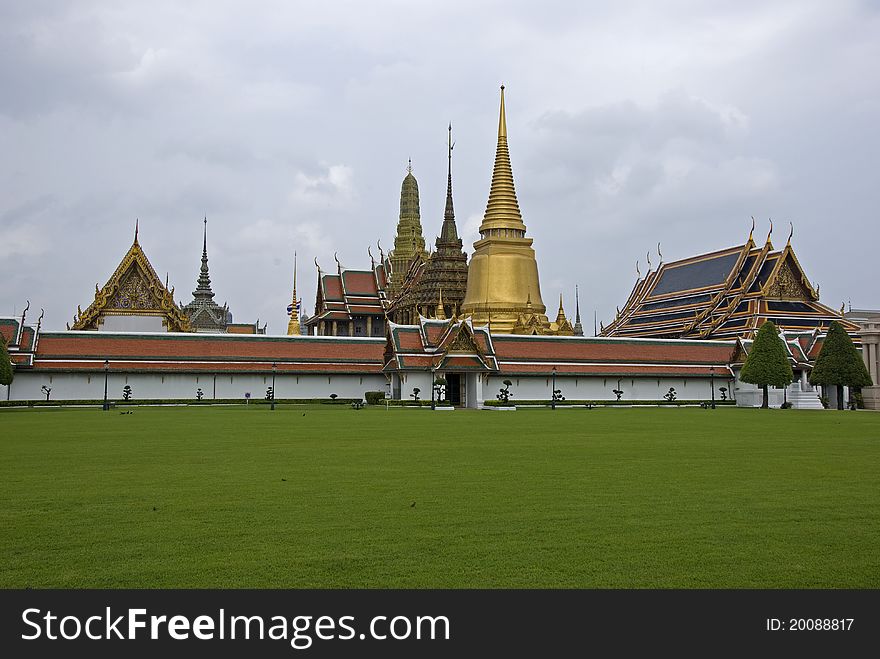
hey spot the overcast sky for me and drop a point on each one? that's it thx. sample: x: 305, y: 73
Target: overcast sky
x: 289, y: 124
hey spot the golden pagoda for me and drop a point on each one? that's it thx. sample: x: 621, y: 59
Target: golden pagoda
x: 502, y: 288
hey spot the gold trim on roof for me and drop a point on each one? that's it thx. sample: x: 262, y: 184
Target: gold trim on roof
x: 133, y: 289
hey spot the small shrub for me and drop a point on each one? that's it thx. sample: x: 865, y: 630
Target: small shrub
x: 670, y: 396
x: 786, y: 405
x: 415, y: 394
x: 723, y: 391
x: 617, y: 392
x: 374, y: 397
x: 126, y: 392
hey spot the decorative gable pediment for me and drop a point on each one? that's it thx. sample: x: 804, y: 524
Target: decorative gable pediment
x: 134, y: 288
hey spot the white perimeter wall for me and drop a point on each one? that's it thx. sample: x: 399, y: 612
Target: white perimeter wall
x: 27, y: 386
x: 597, y: 388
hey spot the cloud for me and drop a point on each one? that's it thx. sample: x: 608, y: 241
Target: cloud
x: 290, y: 128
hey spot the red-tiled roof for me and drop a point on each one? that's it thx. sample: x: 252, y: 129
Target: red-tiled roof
x: 511, y: 347
x: 192, y: 347
x: 332, y: 287
x: 659, y: 370
x: 360, y: 282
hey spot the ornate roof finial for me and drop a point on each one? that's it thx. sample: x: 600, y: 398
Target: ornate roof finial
x: 770, y: 233
x: 409, y: 166
x: 790, y: 232
x: 648, y: 256
x: 136, y: 221
x: 338, y: 264
x: 42, y: 313
x: 660, y: 254
x: 752, y: 232
x: 638, y: 272
x: 372, y: 260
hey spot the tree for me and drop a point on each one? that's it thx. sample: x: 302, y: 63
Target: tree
x: 839, y: 363
x: 126, y: 392
x: 6, y: 373
x: 767, y: 363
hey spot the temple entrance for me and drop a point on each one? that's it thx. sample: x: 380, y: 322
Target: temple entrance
x: 453, y: 388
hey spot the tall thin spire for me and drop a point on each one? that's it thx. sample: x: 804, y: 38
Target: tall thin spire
x: 293, y: 326
x: 136, y: 221
x: 502, y: 210
x: 449, y: 232
x: 578, y: 328
x: 203, y: 285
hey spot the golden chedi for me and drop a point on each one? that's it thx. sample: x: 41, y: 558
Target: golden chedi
x: 502, y: 288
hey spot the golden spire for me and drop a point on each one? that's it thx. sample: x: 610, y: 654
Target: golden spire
x: 440, y: 312
x: 502, y: 210
x: 293, y: 327
x: 560, y: 315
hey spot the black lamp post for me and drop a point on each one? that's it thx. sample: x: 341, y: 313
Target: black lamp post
x: 712, y: 381
x: 553, y: 392
x: 433, y: 387
x: 106, y: 373
x: 274, y: 369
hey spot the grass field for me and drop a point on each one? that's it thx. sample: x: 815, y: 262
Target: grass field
x: 322, y: 497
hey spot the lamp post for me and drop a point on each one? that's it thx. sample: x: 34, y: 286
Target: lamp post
x: 712, y: 381
x: 553, y: 392
x: 433, y: 387
x: 274, y: 369
x: 106, y: 373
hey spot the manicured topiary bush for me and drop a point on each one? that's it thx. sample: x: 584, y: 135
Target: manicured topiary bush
x: 767, y: 363
x: 374, y: 397
x: 839, y: 363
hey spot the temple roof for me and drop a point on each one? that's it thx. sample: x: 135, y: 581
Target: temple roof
x: 134, y: 288
x: 349, y: 293
x: 724, y: 295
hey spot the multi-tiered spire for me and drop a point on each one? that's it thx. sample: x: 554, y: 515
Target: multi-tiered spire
x: 444, y: 280
x: 204, y: 314
x: 578, y: 328
x: 502, y: 209
x: 503, y: 273
x: 203, y: 284
x: 409, y: 243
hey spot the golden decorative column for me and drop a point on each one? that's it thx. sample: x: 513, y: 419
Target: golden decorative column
x: 503, y: 272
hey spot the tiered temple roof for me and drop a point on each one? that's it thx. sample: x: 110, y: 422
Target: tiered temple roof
x: 724, y: 295
x: 350, y: 295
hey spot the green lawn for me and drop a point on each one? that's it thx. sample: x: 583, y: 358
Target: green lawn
x: 321, y: 497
